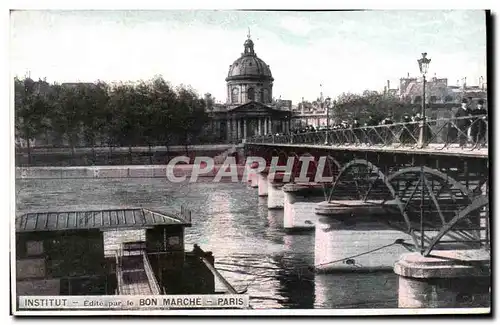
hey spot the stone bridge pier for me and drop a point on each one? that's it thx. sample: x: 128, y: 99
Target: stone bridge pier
x: 347, y: 239
x: 275, y: 183
x: 300, y: 200
x: 447, y: 279
x: 262, y: 183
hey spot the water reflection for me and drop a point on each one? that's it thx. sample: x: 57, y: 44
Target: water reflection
x: 356, y: 290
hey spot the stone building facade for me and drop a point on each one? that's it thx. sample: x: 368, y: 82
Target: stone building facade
x: 438, y: 91
x: 249, y: 109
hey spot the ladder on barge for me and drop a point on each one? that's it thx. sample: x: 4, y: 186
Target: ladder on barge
x: 134, y: 274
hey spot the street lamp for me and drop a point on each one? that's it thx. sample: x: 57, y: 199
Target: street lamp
x: 423, y: 65
x: 328, y: 102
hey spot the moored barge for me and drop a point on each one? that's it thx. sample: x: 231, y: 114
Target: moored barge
x: 64, y: 253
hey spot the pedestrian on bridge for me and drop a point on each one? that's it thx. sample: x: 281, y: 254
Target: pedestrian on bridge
x: 478, y: 125
x: 370, y: 131
x: 405, y: 136
x: 462, y: 123
x: 386, y: 132
x: 357, y: 133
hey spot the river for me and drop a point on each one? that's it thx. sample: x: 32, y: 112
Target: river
x: 250, y: 247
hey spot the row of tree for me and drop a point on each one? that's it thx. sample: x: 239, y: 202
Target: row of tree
x: 144, y: 113
x: 348, y: 106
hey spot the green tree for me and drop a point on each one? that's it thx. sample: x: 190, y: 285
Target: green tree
x: 31, y: 110
x: 67, y: 109
x: 147, y: 112
x: 190, y: 115
x: 93, y: 105
x: 161, y: 113
x: 348, y: 106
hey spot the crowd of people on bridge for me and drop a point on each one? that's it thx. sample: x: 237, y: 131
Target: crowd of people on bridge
x: 470, y: 124
x: 467, y: 125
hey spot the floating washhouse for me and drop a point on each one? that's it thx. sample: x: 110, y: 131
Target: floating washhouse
x: 63, y: 253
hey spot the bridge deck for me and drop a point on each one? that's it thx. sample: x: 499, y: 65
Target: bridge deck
x: 433, y: 149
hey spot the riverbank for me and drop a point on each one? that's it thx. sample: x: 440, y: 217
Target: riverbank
x: 125, y: 171
x: 107, y: 156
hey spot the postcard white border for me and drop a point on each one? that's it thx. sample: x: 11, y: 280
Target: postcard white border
x: 8, y: 198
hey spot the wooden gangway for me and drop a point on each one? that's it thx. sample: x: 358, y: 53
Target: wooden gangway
x: 135, y: 275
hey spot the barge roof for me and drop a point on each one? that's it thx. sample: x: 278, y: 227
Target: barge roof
x: 107, y: 219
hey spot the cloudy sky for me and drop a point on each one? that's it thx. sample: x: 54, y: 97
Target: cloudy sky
x: 347, y: 51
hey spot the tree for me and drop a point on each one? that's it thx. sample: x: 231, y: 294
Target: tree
x: 94, y: 106
x: 190, y: 115
x: 161, y: 113
x: 31, y: 111
x: 67, y: 109
x: 348, y: 106
x: 147, y: 112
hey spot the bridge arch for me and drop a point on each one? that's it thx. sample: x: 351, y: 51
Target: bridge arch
x: 360, y: 162
x: 436, y: 204
x: 379, y: 177
x: 431, y: 171
x: 477, y: 203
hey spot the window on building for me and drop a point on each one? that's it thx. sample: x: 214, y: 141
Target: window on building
x: 34, y: 248
x: 433, y: 99
x: 234, y: 95
x: 251, y: 94
x: 448, y: 99
x: 265, y: 96
x: 418, y: 99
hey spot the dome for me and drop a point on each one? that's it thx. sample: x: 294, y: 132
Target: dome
x: 249, y: 66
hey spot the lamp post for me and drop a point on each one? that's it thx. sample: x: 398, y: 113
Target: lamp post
x: 423, y: 64
x: 328, y: 102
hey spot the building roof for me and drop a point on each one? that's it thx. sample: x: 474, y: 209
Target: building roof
x: 130, y: 218
x: 249, y: 66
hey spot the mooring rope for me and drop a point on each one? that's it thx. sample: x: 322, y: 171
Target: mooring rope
x: 252, y: 266
x: 247, y: 273
x: 396, y: 242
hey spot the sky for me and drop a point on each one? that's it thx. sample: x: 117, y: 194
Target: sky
x: 344, y: 51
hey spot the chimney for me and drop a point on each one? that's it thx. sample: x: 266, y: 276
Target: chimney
x: 388, y: 85
x: 408, y: 75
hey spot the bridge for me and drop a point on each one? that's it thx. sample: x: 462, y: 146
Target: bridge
x: 426, y: 182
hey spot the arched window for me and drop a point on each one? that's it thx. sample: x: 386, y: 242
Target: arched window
x: 262, y: 96
x: 251, y: 94
x: 234, y: 95
x: 265, y: 96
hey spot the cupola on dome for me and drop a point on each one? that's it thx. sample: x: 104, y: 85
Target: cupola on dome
x: 249, y: 66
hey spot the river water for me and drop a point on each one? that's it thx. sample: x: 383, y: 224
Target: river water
x: 250, y: 247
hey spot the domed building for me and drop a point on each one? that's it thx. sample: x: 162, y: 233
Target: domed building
x: 249, y: 79
x: 249, y: 109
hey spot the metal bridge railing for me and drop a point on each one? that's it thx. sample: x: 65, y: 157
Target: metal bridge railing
x: 463, y: 132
